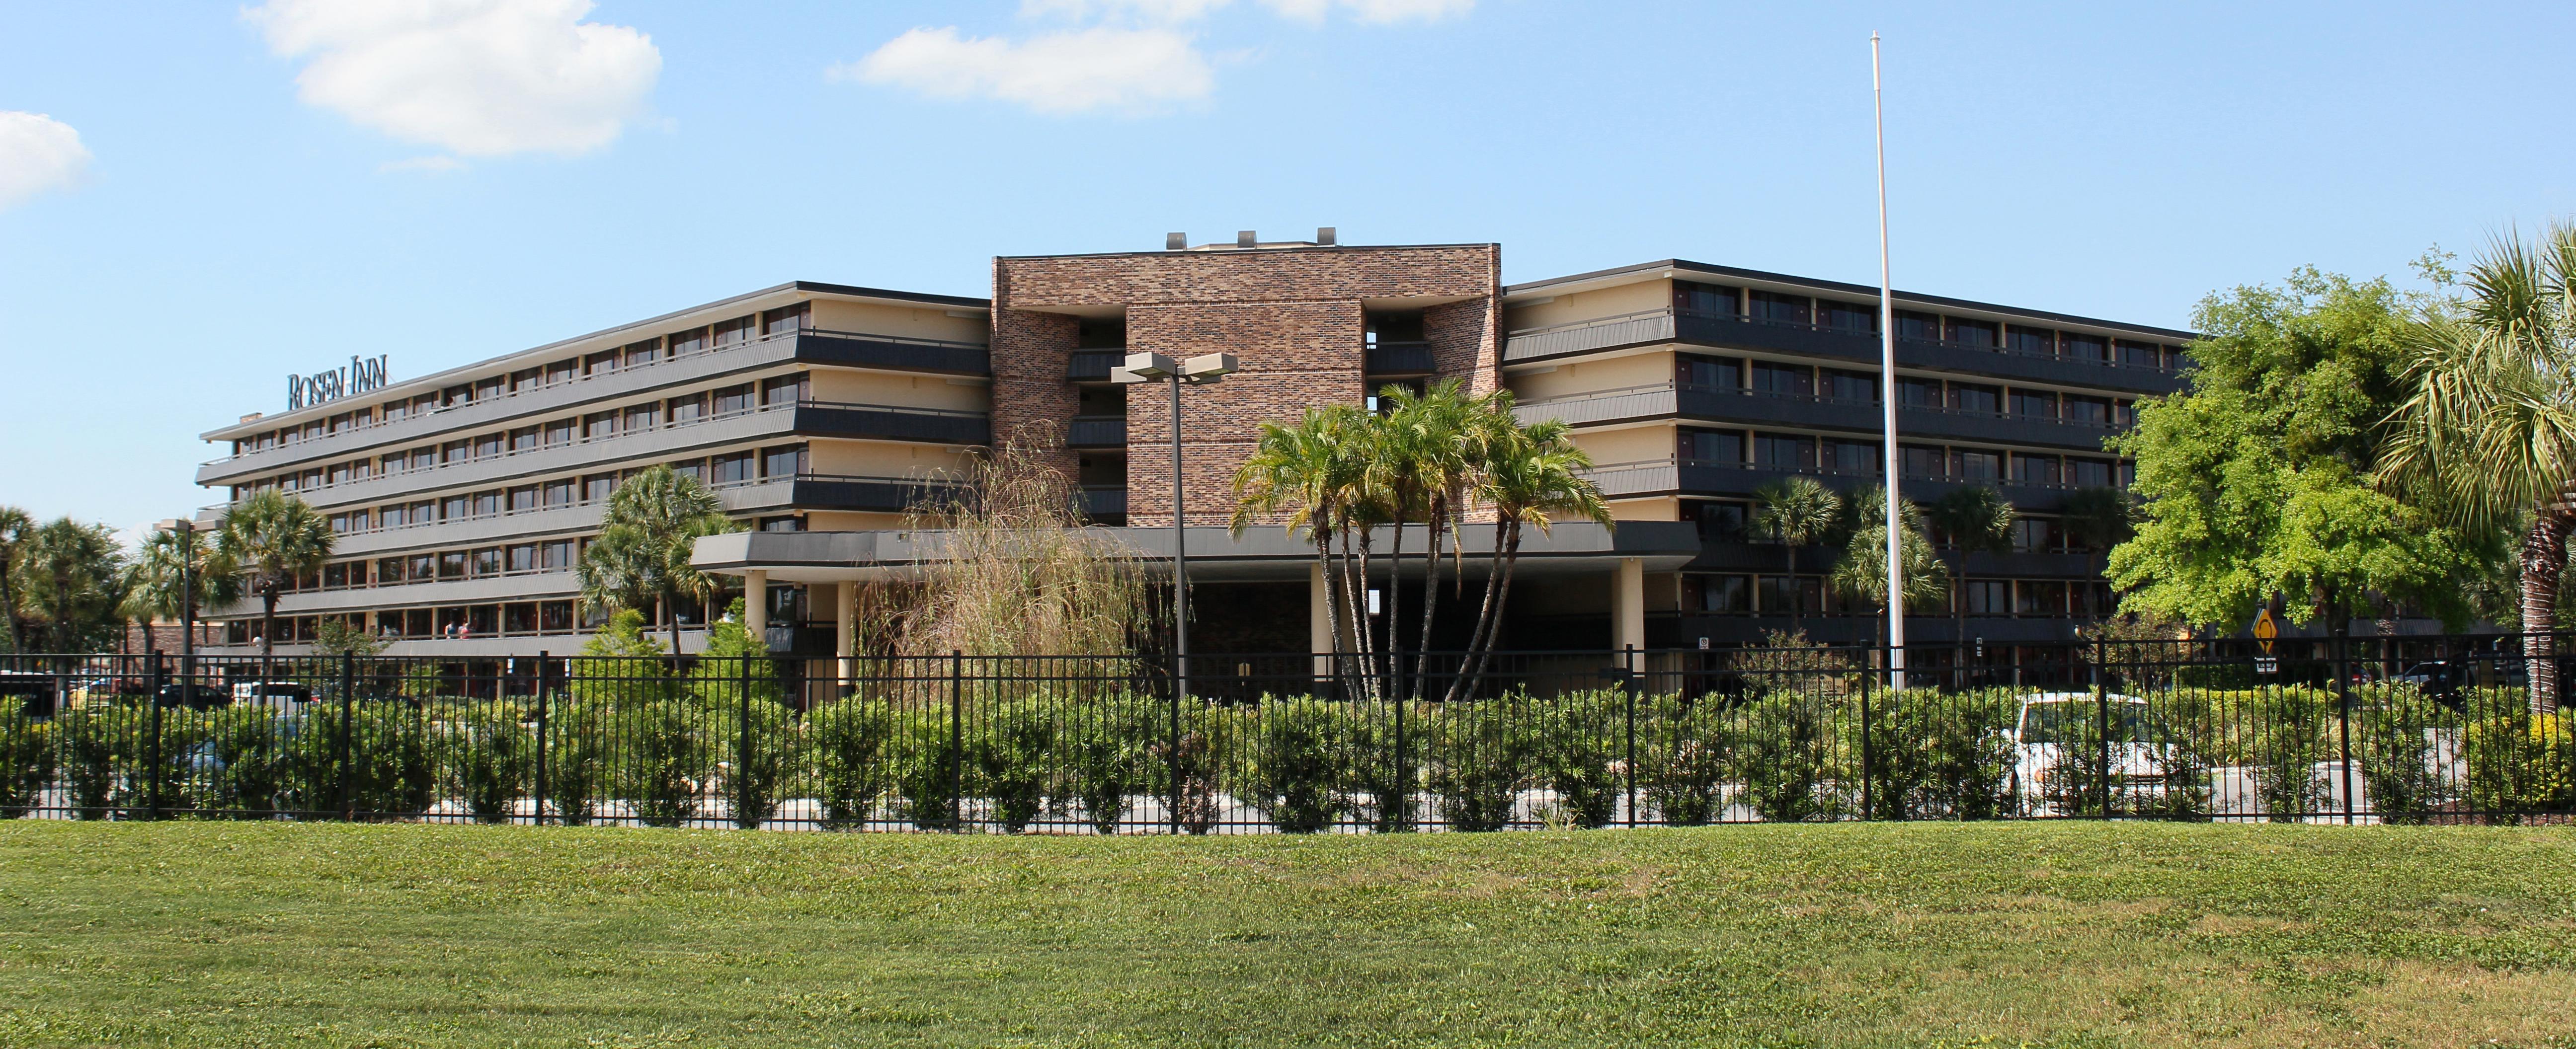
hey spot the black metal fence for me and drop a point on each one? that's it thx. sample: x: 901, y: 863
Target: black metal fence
x: 2369, y: 730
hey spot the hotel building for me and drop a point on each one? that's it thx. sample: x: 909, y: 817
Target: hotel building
x: 820, y: 411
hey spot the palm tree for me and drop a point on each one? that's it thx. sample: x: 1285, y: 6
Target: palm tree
x: 1862, y: 575
x: 273, y: 537
x: 2098, y: 519
x: 15, y: 527
x: 1794, y: 512
x: 651, y: 527
x: 1531, y: 475
x: 75, y: 573
x: 1976, y: 520
x: 2488, y: 437
x: 153, y: 589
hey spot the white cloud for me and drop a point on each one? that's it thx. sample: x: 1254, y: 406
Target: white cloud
x: 480, y: 77
x: 1065, y: 72
x: 1374, y: 12
x: 37, y: 153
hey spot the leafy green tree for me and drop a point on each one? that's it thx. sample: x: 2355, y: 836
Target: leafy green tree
x: 2255, y: 481
x: 1793, y: 512
x: 1975, y: 519
x: 273, y: 537
x: 75, y: 579
x: 641, y: 557
x: 2487, y: 431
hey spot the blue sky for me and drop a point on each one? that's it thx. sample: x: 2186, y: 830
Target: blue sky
x: 261, y: 190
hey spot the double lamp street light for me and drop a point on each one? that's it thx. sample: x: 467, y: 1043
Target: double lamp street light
x: 1199, y: 370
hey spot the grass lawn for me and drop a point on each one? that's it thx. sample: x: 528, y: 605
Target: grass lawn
x: 1916, y: 934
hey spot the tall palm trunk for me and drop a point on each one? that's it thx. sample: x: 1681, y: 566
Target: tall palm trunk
x: 2544, y: 556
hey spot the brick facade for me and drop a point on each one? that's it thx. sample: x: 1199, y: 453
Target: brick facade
x: 1294, y: 317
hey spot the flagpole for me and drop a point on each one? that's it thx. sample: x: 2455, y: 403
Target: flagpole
x: 1887, y: 392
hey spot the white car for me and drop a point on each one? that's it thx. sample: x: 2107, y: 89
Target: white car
x: 2051, y: 722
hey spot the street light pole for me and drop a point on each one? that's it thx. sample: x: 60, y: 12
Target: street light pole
x: 1203, y: 369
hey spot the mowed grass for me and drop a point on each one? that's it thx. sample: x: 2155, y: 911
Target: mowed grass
x: 2068, y: 934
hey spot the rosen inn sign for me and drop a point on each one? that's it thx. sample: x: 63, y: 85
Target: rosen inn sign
x: 360, y: 375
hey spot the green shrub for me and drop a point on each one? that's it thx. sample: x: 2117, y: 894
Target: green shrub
x: 1787, y: 758
x: 26, y: 762
x: 850, y: 739
x: 494, y: 759
x: 666, y: 765
x: 1478, y: 756
x: 1682, y: 757
x: 1297, y: 763
x: 1577, y: 743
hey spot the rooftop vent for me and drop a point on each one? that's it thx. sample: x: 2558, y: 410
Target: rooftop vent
x: 1246, y: 239
x: 1324, y: 236
x: 1176, y: 241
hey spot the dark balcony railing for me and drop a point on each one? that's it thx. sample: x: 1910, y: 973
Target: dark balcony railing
x: 1096, y: 431
x: 1093, y: 365
x: 1399, y: 358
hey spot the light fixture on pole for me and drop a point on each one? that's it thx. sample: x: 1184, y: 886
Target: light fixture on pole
x: 1202, y: 369
x: 1887, y: 393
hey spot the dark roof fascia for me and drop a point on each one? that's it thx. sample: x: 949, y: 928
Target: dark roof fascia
x: 1871, y: 291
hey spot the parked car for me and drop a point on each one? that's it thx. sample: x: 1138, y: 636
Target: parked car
x: 279, y: 694
x: 2051, y: 722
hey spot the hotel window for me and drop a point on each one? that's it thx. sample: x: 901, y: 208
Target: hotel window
x: 783, y: 462
x: 2034, y: 404
x: 389, y: 571
x: 597, y: 486
x: 689, y: 409
x: 736, y: 330
x: 555, y: 556
x: 1713, y: 447
x: 451, y: 565
x: 2037, y: 342
x: 2088, y: 473
x: 1786, y: 309
x: 733, y: 399
x: 786, y: 389
x: 2038, y: 535
x: 1923, y: 462
x: 1979, y: 400
x: 1723, y: 373
x: 1693, y: 297
x: 792, y: 318
x: 731, y: 469
x: 1918, y: 393
x: 638, y: 354
x: 1977, y: 466
x: 488, y: 445
x: 1784, y: 451
x: 523, y: 498
x: 2089, y: 348
x: 1985, y: 597
x: 640, y: 417
x: 560, y: 493
x: 601, y: 363
x: 1847, y: 316
x: 1725, y: 594
x: 1852, y: 457
x: 2040, y: 597
x: 1784, y: 380
x: 2091, y: 411
x: 1920, y: 327
x: 1980, y: 334
x: 526, y: 438
x: 1859, y: 387
x: 2035, y: 469
x: 599, y: 426
x: 683, y: 343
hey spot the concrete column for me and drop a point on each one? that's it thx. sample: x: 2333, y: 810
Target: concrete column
x: 1628, y: 605
x: 755, y: 602
x: 1319, y: 620
x: 845, y: 624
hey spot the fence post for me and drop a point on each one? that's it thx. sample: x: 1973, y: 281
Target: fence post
x: 152, y: 740
x: 742, y: 744
x: 348, y: 711
x: 2102, y: 718
x: 2343, y: 709
x: 1868, y: 757
x: 1629, y: 661
x: 956, y: 741
x: 538, y: 816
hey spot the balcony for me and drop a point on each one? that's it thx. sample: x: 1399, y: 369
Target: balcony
x: 1093, y: 365
x: 1398, y: 359
x: 1102, y: 500
x: 1654, y: 327
x: 1096, y: 431
x: 1737, y: 406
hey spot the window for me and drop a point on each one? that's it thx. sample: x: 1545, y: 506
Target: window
x: 2034, y: 404
x: 732, y: 469
x: 2088, y: 473
x: 1784, y: 452
x: 2081, y: 347
x: 1919, y: 461
x: 1985, y: 597
x: 689, y: 409
x: 1715, y: 447
x: 2091, y: 411
x: 783, y: 462
x: 1691, y: 297
x: 2035, y: 469
x: 1851, y: 386
x: 1847, y: 316
x: 1980, y: 334
x: 733, y: 399
x: 1785, y: 309
x: 1725, y: 373
x: 1977, y: 400
x: 789, y: 389
x: 1724, y: 594
x: 1978, y: 466
x: 736, y: 330
x: 792, y: 318
x: 1918, y: 393
x: 1852, y: 457
x: 683, y: 343
x: 1783, y: 380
